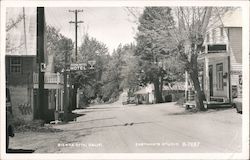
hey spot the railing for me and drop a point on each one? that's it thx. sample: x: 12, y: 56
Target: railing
x: 49, y: 78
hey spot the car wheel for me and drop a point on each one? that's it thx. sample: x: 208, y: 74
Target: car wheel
x: 237, y: 110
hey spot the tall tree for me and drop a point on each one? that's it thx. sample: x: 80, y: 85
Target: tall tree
x: 154, y: 45
x: 192, y: 25
x: 189, y: 34
x: 90, y: 79
x: 186, y: 35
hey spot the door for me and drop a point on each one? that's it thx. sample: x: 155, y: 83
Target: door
x: 211, y: 80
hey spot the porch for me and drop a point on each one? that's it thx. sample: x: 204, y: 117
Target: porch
x: 51, y: 80
x: 53, y: 90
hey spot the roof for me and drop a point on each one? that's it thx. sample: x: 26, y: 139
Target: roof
x: 16, y: 35
x: 177, y: 87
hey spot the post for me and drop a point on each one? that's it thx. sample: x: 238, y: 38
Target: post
x: 40, y: 60
x: 186, y: 86
x: 229, y: 80
x: 66, y: 92
x: 207, y: 83
x: 76, y: 32
x: 76, y: 23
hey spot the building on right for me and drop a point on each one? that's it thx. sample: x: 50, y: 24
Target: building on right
x: 221, y: 78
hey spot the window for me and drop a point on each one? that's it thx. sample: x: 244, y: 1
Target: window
x: 219, y: 76
x: 15, y: 65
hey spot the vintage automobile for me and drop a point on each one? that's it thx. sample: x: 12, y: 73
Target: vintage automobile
x: 238, y: 104
x: 9, y: 119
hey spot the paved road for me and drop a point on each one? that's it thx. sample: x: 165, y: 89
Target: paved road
x: 142, y: 129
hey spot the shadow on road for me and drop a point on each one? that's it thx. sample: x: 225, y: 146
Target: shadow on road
x: 99, y: 119
x: 73, y: 116
x: 187, y: 112
x: 110, y: 126
x: 94, y: 110
x: 20, y: 151
x: 101, y: 107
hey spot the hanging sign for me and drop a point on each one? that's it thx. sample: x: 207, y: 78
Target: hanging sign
x: 78, y: 66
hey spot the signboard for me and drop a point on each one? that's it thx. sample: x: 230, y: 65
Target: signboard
x: 43, y: 67
x: 76, y: 66
x: 82, y: 66
x: 91, y: 63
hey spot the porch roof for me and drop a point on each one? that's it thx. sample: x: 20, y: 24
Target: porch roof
x: 176, y: 87
x: 213, y: 55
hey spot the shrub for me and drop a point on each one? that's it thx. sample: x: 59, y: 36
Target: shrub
x: 20, y: 125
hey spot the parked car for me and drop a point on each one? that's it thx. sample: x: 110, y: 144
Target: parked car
x: 131, y: 100
x: 238, y: 104
x: 9, y: 119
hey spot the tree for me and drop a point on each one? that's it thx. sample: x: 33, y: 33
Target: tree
x: 186, y: 35
x: 154, y: 45
x: 90, y: 80
x: 55, y: 45
x: 189, y: 34
x: 130, y: 71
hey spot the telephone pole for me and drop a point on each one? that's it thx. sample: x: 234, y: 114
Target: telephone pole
x: 66, y: 83
x: 40, y: 60
x: 76, y: 22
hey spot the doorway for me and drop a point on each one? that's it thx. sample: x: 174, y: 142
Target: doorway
x: 211, y: 80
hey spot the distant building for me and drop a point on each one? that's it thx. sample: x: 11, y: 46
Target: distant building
x: 22, y: 68
x: 222, y: 70
x: 170, y: 93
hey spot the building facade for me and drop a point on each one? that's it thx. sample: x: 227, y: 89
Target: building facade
x: 222, y: 59
x: 22, y: 69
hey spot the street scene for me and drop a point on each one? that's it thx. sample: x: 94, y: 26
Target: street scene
x: 124, y: 80
x: 158, y: 128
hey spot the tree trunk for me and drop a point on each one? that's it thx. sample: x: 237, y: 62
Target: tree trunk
x: 161, y: 85
x: 199, y: 93
x: 158, y: 94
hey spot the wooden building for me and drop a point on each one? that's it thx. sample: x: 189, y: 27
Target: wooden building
x: 222, y: 70
x: 22, y: 68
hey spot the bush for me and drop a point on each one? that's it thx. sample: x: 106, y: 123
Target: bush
x: 21, y: 125
x: 18, y: 122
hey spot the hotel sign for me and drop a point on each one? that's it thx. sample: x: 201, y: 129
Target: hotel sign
x: 82, y: 66
x: 78, y: 66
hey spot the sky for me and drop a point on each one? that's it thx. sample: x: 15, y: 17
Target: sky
x: 110, y: 25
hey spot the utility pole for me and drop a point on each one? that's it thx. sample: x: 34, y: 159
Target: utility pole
x: 76, y: 25
x: 66, y: 83
x: 40, y: 61
x: 76, y: 22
